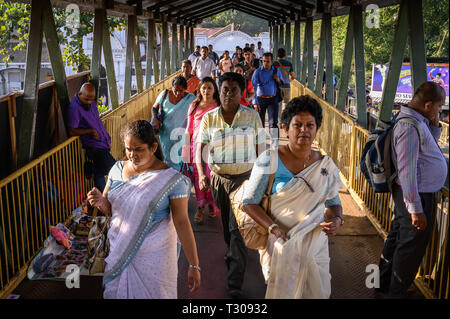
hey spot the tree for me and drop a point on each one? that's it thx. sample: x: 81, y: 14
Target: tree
x: 14, y: 25
x: 244, y: 22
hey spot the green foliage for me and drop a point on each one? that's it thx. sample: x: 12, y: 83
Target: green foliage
x: 242, y: 21
x: 14, y: 25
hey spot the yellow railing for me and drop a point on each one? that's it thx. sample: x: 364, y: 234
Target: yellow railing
x: 344, y: 141
x: 38, y: 195
x: 45, y: 191
x: 137, y: 108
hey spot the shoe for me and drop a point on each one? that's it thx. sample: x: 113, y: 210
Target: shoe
x: 198, y: 218
x: 235, y: 293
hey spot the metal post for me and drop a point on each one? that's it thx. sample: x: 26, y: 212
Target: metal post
x: 137, y: 56
x: 288, y: 40
x: 192, y: 38
x: 321, y: 61
x: 360, y: 74
x: 152, y: 49
x: 275, y: 40
x: 304, y: 62
x: 346, y: 64
x: 51, y: 38
x: 270, y: 37
x: 162, y: 56
x: 109, y: 65
x: 296, y: 60
x: 310, y: 55
x: 329, y: 95
x: 128, y: 61
x: 395, y: 64
x: 149, y: 56
x: 175, y: 59
x: 166, y: 45
x: 188, y: 42
x: 417, y: 44
x: 99, y: 20
x: 281, y: 40
x: 30, y: 93
x: 181, y: 51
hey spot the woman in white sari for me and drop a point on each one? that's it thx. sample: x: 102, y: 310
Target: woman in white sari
x: 305, y: 207
x: 147, y: 201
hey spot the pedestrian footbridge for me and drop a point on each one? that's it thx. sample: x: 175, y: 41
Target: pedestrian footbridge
x: 44, y: 180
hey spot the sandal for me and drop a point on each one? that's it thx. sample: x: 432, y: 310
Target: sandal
x: 211, y: 212
x: 198, y: 218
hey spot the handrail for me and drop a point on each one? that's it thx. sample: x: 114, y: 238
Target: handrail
x: 433, y: 275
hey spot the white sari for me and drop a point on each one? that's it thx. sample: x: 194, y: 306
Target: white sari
x: 299, y: 268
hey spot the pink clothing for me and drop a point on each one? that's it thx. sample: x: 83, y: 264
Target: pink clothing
x: 193, y: 126
x: 226, y: 65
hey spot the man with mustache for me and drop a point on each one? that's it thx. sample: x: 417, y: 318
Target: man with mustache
x: 230, y: 134
x: 83, y: 120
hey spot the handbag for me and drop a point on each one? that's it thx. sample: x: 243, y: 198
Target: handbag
x: 255, y: 236
x: 160, y: 115
x: 98, y: 243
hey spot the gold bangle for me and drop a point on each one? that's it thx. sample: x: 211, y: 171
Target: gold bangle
x: 271, y: 227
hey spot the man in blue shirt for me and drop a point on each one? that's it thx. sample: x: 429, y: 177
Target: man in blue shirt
x: 265, y: 80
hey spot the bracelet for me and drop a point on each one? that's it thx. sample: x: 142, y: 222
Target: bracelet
x: 195, y: 267
x: 342, y: 219
x: 271, y: 227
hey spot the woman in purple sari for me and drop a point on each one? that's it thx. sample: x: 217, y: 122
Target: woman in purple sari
x: 148, y: 204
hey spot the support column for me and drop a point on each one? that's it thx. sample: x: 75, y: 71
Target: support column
x: 304, y: 58
x: 192, y: 38
x: 181, y: 51
x: 30, y: 91
x: 310, y: 50
x: 281, y: 41
x: 275, y: 40
x: 128, y: 61
x: 99, y: 20
x: 137, y: 56
x: 395, y: 64
x: 346, y: 64
x: 54, y: 52
x: 288, y: 40
x: 329, y: 95
x: 321, y: 61
x: 417, y: 44
x: 360, y: 74
x: 152, y: 50
x: 149, y: 56
x: 166, y: 42
x: 296, y: 61
x: 270, y: 38
x: 188, y: 42
x: 162, y: 56
x: 109, y: 66
x: 175, y: 60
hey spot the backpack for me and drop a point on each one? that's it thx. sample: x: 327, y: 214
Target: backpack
x: 376, y: 161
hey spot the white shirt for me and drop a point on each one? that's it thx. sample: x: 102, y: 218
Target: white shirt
x: 260, y: 52
x: 192, y: 57
x: 204, y: 68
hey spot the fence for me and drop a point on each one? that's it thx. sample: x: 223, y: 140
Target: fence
x: 45, y: 191
x: 345, y: 150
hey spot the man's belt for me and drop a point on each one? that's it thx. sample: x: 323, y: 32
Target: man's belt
x: 266, y: 96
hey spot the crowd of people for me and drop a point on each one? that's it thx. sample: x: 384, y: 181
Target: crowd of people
x: 207, y: 131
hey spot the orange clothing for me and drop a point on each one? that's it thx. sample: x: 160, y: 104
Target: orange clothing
x: 193, y: 84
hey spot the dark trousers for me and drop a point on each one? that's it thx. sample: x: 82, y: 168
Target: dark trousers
x: 236, y: 257
x: 103, y: 161
x: 404, y: 247
x: 271, y: 105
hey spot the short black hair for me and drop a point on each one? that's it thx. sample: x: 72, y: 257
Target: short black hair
x: 281, y: 53
x: 302, y: 104
x: 269, y: 54
x: 187, y: 61
x: 232, y: 77
x: 205, y: 47
x: 429, y: 91
x: 179, y: 81
x: 247, y: 49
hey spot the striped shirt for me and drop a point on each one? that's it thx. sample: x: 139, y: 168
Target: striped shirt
x: 232, y: 148
x: 417, y: 172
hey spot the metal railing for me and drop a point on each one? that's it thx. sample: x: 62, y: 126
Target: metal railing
x: 44, y: 192
x: 39, y: 195
x: 348, y: 141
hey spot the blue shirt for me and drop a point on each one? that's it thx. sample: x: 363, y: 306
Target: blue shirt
x: 417, y: 172
x: 263, y: 83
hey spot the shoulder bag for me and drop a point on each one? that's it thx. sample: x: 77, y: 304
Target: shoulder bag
x: 254, y: 235
x: 98, y: 243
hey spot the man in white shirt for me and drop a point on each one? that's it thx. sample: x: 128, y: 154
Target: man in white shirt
x: 204, y: 66
x: 195, y: 55
x: 260, y: 50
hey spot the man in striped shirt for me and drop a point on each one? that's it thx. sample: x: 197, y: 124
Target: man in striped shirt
x: 420, y: 175
x: 234, y: 137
